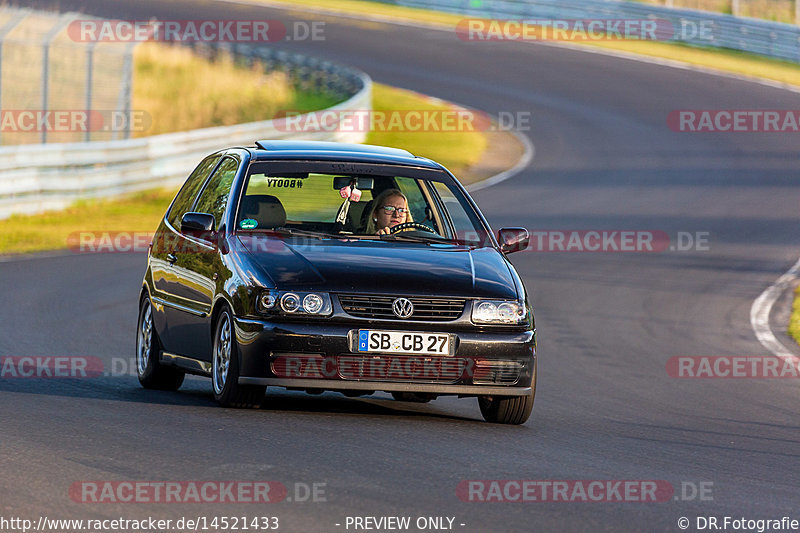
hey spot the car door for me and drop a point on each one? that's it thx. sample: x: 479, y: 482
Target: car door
x: 197, y: 268
x: 162, y: 253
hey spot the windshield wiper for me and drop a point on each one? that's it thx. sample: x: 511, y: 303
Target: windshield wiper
x: 416, y: 238
x: 305, y: 233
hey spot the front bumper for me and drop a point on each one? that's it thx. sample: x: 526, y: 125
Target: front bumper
x: 319, y: 356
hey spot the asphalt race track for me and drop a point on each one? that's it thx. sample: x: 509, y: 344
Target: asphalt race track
x: 606, y: 408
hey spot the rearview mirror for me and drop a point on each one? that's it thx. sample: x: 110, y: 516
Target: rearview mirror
x: 362, y: 182
x: 200, y: 225
x: 513, y: 239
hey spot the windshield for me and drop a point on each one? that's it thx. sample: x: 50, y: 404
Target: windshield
x: 358, y: 206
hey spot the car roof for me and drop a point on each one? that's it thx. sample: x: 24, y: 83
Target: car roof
x: 330, y: 151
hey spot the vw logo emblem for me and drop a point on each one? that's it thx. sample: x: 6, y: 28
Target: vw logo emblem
x: 402, y: 307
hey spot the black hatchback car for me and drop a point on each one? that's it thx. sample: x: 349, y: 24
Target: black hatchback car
x: 322, y: 266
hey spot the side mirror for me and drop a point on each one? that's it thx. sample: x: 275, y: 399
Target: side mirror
x: 513, y: 239
x: 199, y: 225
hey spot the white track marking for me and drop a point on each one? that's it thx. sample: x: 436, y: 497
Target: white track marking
x: 759, y: 315
x: 523, y: 162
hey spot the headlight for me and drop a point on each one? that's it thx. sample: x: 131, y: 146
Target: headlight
x: 267, y: 301
x: 290, y: 302
x: 294, y: 303
x: 312, y: 303
x: 498, y: 312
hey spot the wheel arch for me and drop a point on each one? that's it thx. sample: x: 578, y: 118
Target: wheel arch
x: 219, y: 304
x: 145, y: 291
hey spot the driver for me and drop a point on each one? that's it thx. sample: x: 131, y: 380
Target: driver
x: 389, y: 209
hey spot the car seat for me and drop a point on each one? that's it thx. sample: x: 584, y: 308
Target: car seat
x: 265, y: 209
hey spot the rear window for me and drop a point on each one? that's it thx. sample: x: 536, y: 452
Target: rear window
x: 311, y: 199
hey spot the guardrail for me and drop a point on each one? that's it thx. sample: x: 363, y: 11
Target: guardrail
x: 699, y: 28
x: 36, y: 178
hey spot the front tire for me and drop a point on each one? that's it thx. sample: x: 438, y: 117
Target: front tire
x: 508, y: 409
x: 152, y: 374
x: 225, y: 369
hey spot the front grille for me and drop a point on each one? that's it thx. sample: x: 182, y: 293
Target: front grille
x: 493, y: 372
x: 406, y: 369
x: 427, y: 309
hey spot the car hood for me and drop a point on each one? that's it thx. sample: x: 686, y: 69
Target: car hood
x: 380, y: 267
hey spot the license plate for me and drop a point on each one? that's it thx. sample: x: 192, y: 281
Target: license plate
x: 404, y: 342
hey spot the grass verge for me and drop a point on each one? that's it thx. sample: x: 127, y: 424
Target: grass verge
x: 141, y: 212
x: 216, y: 92
x: 457, y: 150
x: 794, y: 321
x: 733, y: 61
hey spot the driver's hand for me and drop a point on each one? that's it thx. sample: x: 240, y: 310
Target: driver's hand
x: 384, y: 231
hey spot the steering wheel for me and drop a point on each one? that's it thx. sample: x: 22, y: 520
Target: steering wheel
x: 410, y: 225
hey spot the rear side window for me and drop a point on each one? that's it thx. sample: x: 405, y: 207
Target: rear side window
x: 214, y: 198
x: 183, y: 202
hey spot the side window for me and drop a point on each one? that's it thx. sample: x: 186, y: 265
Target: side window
x: 465, y: 224
x: 214, y: 198
x: 183, y: 202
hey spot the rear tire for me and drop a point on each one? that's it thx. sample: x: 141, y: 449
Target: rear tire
x: 508, y: 409
x: 225, y: 368
x: 152, y: 374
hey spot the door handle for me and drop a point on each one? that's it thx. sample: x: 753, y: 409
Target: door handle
x: 171, y: 258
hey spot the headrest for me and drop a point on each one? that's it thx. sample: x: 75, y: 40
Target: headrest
x: 267, y: 210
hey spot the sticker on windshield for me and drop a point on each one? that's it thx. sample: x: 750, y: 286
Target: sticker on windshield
x: 285, y: 182
x: 248, y: 223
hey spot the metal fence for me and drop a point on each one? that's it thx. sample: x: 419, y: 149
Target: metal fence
x: 43, y: 70
x: 35, y: 178
x: 698, y: 28
x: 775, y: 10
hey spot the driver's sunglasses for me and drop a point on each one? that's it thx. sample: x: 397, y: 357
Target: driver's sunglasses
x: 391, y: 209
